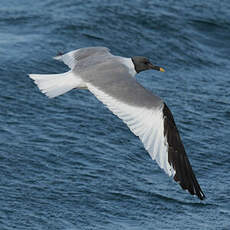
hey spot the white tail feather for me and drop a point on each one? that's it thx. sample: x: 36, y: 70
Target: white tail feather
x: 53, y: 85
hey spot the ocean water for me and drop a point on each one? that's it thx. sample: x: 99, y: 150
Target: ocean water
x: 68, y: 163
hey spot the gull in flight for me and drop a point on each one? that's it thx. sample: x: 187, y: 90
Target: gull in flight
x: 111, y: 79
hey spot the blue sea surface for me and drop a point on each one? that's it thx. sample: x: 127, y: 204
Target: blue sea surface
x: 69, y: 163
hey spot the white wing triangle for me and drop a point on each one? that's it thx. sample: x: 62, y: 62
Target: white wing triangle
x: 147, y: 124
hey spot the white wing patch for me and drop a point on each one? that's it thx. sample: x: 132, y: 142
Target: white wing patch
x: 147, y: 124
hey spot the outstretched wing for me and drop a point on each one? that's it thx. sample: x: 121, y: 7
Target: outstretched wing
x: 177, y: 156
x: 71, y: 58
x: 148, y: 117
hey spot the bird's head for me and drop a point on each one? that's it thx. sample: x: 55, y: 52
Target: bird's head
x: 143, y: 63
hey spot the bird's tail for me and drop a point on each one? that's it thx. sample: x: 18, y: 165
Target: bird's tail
x: 53, y: 85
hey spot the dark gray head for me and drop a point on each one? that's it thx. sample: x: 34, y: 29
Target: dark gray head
x: 143, y: 63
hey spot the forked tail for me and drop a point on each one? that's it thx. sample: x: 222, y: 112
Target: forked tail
x: 53, y: 85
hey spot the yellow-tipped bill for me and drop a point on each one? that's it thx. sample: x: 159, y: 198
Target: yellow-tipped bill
x: 162, y: 70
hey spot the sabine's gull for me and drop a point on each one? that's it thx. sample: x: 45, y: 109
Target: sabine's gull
x: 111, y: 79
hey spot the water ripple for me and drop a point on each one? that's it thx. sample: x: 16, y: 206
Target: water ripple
x: 68, y: 163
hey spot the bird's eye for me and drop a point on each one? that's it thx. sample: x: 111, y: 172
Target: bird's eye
x: 146, y: 63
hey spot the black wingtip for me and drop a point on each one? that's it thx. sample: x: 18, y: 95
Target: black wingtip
x: 194, y: 188
x: 186, y: 177
x: 177, y: 157
x: 201, y: 195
